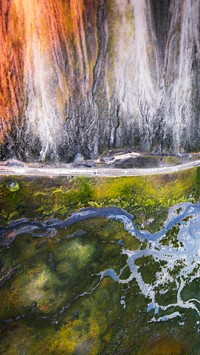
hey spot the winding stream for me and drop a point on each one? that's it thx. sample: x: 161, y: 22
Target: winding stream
x: 183, y: 255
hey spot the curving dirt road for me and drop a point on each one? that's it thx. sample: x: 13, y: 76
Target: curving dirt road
x: 52, y: 171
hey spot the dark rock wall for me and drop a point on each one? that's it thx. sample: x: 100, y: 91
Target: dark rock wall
x: 82, y: 76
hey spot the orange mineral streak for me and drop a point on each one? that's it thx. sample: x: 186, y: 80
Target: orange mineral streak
x: 11, y: 66
x: 62, y: 34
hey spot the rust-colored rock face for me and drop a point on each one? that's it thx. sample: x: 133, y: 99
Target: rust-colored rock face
x: 48, y: 48
x: 12, y: 47
x: 79, y: 76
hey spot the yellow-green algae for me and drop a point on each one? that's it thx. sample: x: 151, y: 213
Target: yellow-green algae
x: 52, y: 275
x: 145, y: 197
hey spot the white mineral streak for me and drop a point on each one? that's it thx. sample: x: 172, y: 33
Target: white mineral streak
x: 134, y: 85
x: 179, y: 59
x: 44, y: 119
x: 150, y: 97
x: 151, y: 92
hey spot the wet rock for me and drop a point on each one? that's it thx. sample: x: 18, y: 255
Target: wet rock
x: 88, y: 165
x: 13, y: 162
x: 79, y: 158
x: 12, y: 185
x: 136, y: 162
x: 64, y: 309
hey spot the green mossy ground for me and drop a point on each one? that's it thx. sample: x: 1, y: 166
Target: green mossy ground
x: 147, y: 197
x: 171, y: 237
x: 52, y: 273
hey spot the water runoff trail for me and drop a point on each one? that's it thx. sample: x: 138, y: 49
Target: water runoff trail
x: 185, y: 254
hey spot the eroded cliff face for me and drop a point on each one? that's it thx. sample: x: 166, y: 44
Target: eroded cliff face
x: 80, y: 76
